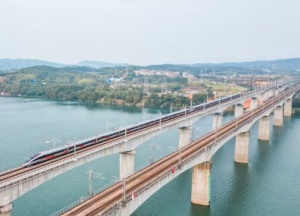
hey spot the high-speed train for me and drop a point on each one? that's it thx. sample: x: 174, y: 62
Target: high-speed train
x: 57, y: 152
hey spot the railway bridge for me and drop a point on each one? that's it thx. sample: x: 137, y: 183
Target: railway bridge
x: 126, y: 196
x: 16, y: 182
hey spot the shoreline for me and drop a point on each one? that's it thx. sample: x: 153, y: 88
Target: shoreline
x: 229, y: 110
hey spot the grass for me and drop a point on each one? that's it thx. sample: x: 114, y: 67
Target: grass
x: 225, y: 87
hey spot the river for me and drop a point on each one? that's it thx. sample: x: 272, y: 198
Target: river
x: 268, y: 185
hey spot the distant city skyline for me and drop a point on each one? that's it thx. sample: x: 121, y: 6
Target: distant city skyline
x: 149, y: 32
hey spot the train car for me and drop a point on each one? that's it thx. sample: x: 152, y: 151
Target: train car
x: 57, y: 152
x: 202, y: 106
x: 54, y: 153
x: 45, y: 156
x: 174, y: 115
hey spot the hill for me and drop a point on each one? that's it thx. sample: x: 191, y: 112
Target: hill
x: 97, y: 64
x: 14, y: 64
x: 10, y: 65
x: 280, y: 65
x: 253, y: 67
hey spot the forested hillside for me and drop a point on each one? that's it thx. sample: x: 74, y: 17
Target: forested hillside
x: 122, y: 85
x: 85, y: 84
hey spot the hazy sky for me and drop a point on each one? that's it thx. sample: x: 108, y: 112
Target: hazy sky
x: 149, y: 31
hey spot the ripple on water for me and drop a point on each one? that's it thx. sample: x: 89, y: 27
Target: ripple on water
x: 268, y: 185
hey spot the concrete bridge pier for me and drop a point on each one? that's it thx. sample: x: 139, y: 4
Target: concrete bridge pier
x: 287, y: 109
x: 185, y: 136
x: 261, y: 98
x: 278, y: 116
x: 264, y: 128
x: 239, y: 110
x: 242, y: 147
x: 5, y: 210
x: 276, y: 92
x: 5, y: 206
x: 217, y: 120
x: 126, y: 163
x: 271, y: 94
x: 201, y: 184
x: 254, y: 103
x: 201, y: 173
x: 268, y: 94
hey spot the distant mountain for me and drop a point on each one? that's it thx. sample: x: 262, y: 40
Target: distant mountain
x: 11, y: 65
x: 292, y: 64
x: 49, y: 69
x: 14, y: 64
x: 269, y: 66
x: 171, y: 67
x: 97, y: 64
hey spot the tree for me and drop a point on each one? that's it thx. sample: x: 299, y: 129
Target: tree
x: 209, y: 92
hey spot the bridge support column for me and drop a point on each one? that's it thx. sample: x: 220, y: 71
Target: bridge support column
x: 185, y: 136
x: 287, y: 110
x: 278, y: 116
x: 242, y: 147
x: 254, y: 103
x: 201, y: 184
x: 276, y: 92
x: 267, y: 95
x: 5, y: 210
x: 238, y: 111
x: 261, y: 98
x: 217, y: 120
x: 264, y: 128
x: 271, y: 92
x: 126, y: 163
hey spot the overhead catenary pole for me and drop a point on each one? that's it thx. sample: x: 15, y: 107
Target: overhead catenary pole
x: 75, y: 149
x: 152, y: 154
x: 125, y: 132
x: 54, y: 141
x: 93, y: 175
x: 124, y: 191
x: 91, y: 183
x: 160, y: 120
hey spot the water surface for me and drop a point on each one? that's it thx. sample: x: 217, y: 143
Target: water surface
x: 268, y: 185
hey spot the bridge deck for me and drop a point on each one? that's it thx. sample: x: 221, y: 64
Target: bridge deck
x: 121, y: 193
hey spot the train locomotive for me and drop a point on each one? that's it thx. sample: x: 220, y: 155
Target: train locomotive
x: 54, y: 153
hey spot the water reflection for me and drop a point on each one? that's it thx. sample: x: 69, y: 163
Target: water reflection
x: 197, y: 210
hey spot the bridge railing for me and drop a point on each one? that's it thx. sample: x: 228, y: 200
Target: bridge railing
x: 66, y: 162
x: 246, y: 94
x: 81, y: 200
x: 48, y: 168
x: 169, y: 171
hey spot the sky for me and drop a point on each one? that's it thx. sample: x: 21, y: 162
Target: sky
x: 145, y: 32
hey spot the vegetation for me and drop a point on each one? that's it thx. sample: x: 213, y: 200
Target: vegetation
x: 92, y: 85
x: 72, y: 84
x: 222, y: 87
x: 254, y: 67
x: 177, y: 102
x: 296, y: 103
x: 87, y: 85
